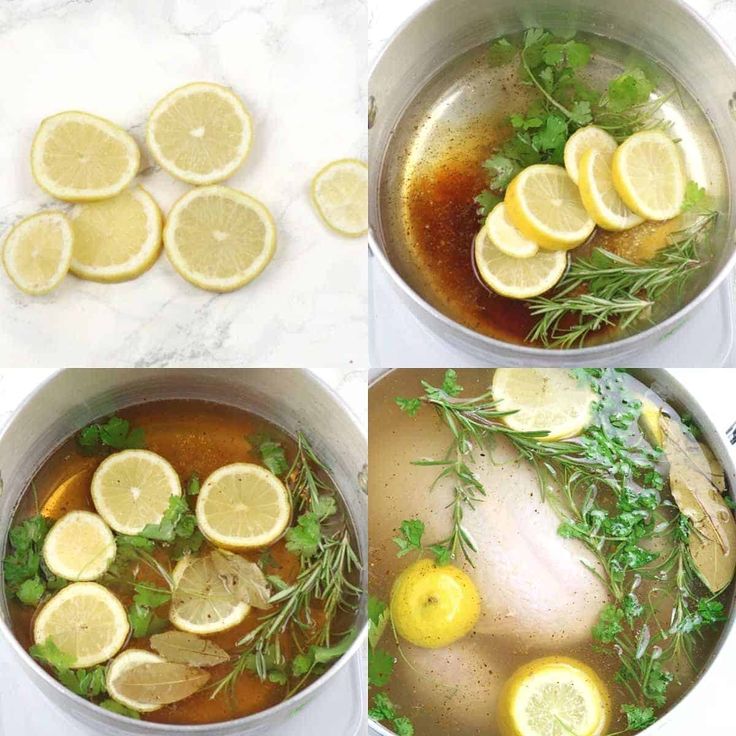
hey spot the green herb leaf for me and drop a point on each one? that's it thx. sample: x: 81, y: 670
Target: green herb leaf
x: 147, y: 594
x: 378, y: 618
x: 303, y: 539
x: 380, y: 667
x: 609, y: 624
x: 30, y: 591
x: 449, y: 383
x: 442, y: 554
x: 178, y: 521
x: 383, y: 709
x: 115, y: 433
x: 273, y: 456
x: 486, y: 201
x: 51, y: 655
x: 120, y: 709
x: 694, y: 196
x: 638, y: 718
x: 193, y: 485
x: 629, y: 89
x: 409, y: 406
x: 305, y: 663
x: 501, y: 52
x: 410, y: 539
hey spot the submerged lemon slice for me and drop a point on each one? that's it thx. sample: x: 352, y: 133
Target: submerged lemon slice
x: 124, y: 662
x: 649, y: 175
x: 200, y: 133
x: 340, y: 196
x: 550, y: 399
x: 85, y: 621
x: 554, y: 696
x: 507, y: 238
x: 433, y: 605
x: 80, y: 546
x: 79, y: 157
x: 37, y: 252
x: 132, y: 488
x: 242, y: 506
x: 116, y: 239
x: 584, y: 140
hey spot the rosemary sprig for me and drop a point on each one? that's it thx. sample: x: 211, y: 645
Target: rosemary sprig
x: 606, y: 289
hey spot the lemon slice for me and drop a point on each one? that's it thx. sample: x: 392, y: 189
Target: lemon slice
x: 554, y: 696
x: 116, y: 239
x: 649, y: 175
x: 583, y: 140
x: 200, y: 133
x: 649, y: 419
x: 85, y: 621
x: 340, y: 196
x: 502, y: 233
x: 218, y: 238
x: 79, y: 157
x: 242, y: 506
x: 80, y: 546
x: 124, y: 662
x: 132, y: 488
x: 543, y: 399
x: 544, y: 203
x: 37, y: 252
x: 203, y: 602
x: 517, y: 278
x: 599, y: 195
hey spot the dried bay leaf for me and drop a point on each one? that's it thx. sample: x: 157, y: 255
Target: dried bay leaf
x: 717, y: 474
x: 160, y: 682
x: 244, y: 579
x: 182, y: 648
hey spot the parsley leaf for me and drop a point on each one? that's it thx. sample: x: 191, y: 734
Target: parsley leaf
x: 48, y: 653
x: 694, y: 196
x: 501, y: 52
x: 119, y: 708
x: 178, y: 521
x: 609, y: 624
x: 409, y: 406
x: 24, y: 575
x: 114, y: 434
x: 486, y: 201
x: 89, y: 683
x: 31, y: 590
x: 193, y: 485
x: 411, y: 532
x: 306, y: 662
x: 378, y: 618
x: 627, y: 90
x: 384, y: 710
x: 380, y: 667
x: 638, y: 718
x: 449, y: 383
x: 272, y: 454
x: 442, y: 553
x: 303, y: 539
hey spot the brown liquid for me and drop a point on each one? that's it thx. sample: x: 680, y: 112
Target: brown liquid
x: 195, y: 437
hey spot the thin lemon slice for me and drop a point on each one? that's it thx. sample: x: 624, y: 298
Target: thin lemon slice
x: 649, y: 175
x: 243, y: 506
x: 132, y: 488
x: 340, y: 196
x: 218, y: 238
x: 116, y: 239
x: 599, y: 195
x: 517, y: 278
x: 80, y: 546
x: 543, y: 399
x: 544, y: 203
x: 200, y: 133
x: 203, y: 602
x: 124, y: 662
x: 85, y: 621
x: 583, y: 140
x: 554, y: 696
x: 506, y: 237
x: 37, y: 252
x: 79, y: 157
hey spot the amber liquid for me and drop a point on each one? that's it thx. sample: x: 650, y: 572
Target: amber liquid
x: 195, y: 437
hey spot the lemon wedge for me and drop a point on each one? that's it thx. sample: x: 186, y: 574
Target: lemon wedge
x: 80, y: 546
x: 599, y: 194
x: 507, y: 238
x: 79, y: 157
x: 85, y: 621
x: 37, y: 252
x: 543, y: 399
x: 218, y: 238
x: 517, y: 278
x: 649, y: 175
x: 243, y: 506
x: 544, y: 203
x: 116, y: 239
x: 554, y: 696
x: 586, y: 139
x: 200, y: 133
x: 340, y: 196
x: 132, y: 488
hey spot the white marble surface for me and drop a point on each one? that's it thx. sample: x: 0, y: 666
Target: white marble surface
x: 398, y: 339
x: 339, y: 711
x: 299, y: 67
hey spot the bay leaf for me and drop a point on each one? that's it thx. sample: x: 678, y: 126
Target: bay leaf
x: 183, y: 648
x: 161, y: 682
x: 717, y: 474
x: 243, y: 578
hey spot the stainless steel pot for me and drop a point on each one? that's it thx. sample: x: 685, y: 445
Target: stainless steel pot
x: 292, y: 399
x: 672, y: 391
x: 668, y: 31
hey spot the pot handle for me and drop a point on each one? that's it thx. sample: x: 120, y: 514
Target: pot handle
x: 731, y: 434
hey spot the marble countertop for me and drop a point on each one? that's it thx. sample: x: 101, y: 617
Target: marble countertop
x: 298, y: 65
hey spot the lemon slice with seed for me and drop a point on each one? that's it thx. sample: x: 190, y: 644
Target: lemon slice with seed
x: 517, y: 278
x: 599, y: 195
x: 80, y: 546
x: 132, y: 488
x: 218, y: 238
x: 79, y: 157
x: 37, y: 252
x: 544, y: 203
x: 583, y: 140
x: 202, y: 602
x: 507, y: 238
x: 116, y: 239
x: 85, y: 621
x: 543, y: 399
x: 554, y: 696
x: 243, y: 506
x: 649, y: 175
x: 200, y: 133
x: 340, y: 196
